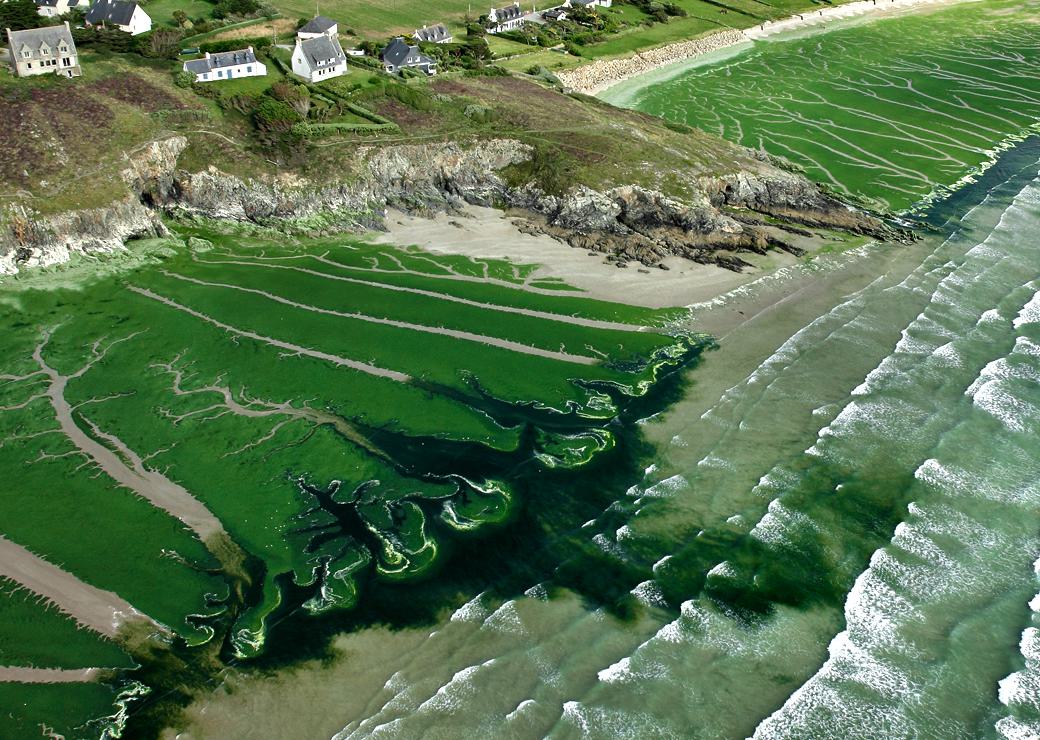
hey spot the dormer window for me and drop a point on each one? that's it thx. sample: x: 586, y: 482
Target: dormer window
x: 27, y: 54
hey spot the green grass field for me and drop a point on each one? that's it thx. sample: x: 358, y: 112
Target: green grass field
x: 161, y: 11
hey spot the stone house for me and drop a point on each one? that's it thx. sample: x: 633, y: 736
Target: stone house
x: 128, y: 17
x: 226, y: 65
x: 40, y: 51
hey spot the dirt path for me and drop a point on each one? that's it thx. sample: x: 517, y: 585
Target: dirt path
x: 101, y: 611
x: 20, y: 674
x: 454, y: 333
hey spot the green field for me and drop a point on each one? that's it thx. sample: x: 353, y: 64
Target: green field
x: 344, y: 412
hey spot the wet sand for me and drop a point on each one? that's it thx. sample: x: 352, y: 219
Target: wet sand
x: 101, y: 611
x: 485, y: 233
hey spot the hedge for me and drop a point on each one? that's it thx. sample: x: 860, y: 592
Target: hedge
x: 318, y: 130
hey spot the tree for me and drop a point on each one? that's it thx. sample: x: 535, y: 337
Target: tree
x: 19, y: 15
x: 163, y: 43
x: 275, y: 116
x: 297, y: 96
x: 180, y: 18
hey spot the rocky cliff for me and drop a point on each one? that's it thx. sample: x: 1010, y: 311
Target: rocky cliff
x: 744, y: 211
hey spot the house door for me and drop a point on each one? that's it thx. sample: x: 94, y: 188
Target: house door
x: 230, y: 74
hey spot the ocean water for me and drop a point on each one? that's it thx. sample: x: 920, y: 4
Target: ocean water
x: 836, y: 530
x: 842, y: 542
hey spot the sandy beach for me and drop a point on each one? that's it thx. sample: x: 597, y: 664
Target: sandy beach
x: 601, y: 75
x: 488, y: 233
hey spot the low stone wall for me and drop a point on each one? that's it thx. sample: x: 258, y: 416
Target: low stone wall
x: 599, y: 75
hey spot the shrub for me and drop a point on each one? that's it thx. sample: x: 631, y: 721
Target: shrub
x: 225, y: 8
x: 258, y: 43
x: 275, y: 116
x: 184, y: 79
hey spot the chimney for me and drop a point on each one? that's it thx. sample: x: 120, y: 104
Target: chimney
x: 250, y: 49
x: 207, y: 55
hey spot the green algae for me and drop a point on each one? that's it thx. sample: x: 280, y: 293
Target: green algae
x: 34, y: 633
x: 892, y: 113
x: 344, y: 433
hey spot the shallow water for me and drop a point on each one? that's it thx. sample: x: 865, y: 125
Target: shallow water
x: 890, y: 111
x: 842, y: 543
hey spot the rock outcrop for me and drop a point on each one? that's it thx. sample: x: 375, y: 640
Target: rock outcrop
x: 742, y: 212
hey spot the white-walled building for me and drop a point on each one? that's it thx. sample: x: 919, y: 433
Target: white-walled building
x: 128, y: 17
x: 508, y: 18
x: 55, y: 8
x: 318, y: 58
x: 226, y: 65
x: 317, y: 26
x: 41, y: 51
x: 435, y: 34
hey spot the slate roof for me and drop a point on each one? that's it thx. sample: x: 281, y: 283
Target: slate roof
x: 397, y: 53
x: 47, y: 3
x: 322, y: 50
x: 318, y: 24
x: 33, y: 38
x: 432, y: 34
x: 117, y: 12
x: 508, y: 13
x: 555, y: 14
x: 220, y: 60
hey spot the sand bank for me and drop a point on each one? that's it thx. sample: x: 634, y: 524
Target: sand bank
x: 484, y: 233
x: 603, y: 74
x: 101, y: 611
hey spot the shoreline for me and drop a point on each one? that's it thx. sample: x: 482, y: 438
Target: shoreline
x: 601, y: 75
x: 488, y: 233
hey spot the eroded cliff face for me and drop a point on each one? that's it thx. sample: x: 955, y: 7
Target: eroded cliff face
x: 747, y: 211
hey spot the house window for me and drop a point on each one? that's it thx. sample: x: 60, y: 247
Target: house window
x: 27, y: 54
x: 220, y: 73
x: 249, y: 69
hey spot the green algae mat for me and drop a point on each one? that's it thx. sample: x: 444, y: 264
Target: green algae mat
x: 891, y: 112
x: 217, y: 430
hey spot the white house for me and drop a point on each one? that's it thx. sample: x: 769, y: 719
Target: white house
x: 506, y: 19
x: 587, y: 3
x: 318, y: 56
x: 41, y: 51
x: 317, y: 26
x: 53, y: 8
x: 226, y: 65
x: 435, y: 34
x: 128, y: 17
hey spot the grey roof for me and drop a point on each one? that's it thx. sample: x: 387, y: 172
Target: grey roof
x: 318, y: 24
x: 220, y: 60
x: 33, y: 38
x: 508, y: 13
x: 118, y: 12
x: 432, y: 34
x: 322, y: 50
x: 555, y: 13
x: 400, y: 54
x: 47, y: 3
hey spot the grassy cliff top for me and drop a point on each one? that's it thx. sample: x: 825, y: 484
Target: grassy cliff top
x: 71, y: 138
